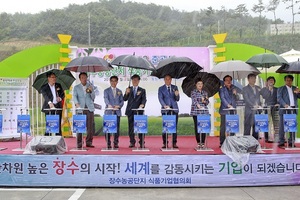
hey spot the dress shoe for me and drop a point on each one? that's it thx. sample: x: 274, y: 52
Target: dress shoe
x: 131, y: 145
x: 291, y: 145
x: 281, y: 145
x: 164, y: 146
x: 90, y: 145
x: 109, y: 146
x: 116, y: 146
x: 175, y: 146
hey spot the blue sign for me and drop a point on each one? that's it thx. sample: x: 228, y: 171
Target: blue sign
x: 79, y: 123
x: 141, y: 124
x: 289, y: 123
x: 203, y: 123
x: 109, y: 124
x: 169, y: 123
x: 1, y: 123
x: 232, y: 123
x: 261, y: 123
x: 23, y: 124
x: 52, y: 123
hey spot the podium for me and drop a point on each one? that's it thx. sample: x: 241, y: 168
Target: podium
x: 2, y: 109
x: 203, y: 127
x: 23, y: 127
x: 110, y: 127
x: 140, y: 127
x: 290, y: 126
x: 78, y: 123
x: 261, y: 121
x: 52, y: 115
x: 169, y: 127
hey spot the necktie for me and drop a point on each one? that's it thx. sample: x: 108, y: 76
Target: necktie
x: 134, y: 92
x: 254, y: 90
x: 114, y: 92
x: 169, y: 89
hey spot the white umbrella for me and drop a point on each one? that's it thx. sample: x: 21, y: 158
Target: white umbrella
x: 236, y: 68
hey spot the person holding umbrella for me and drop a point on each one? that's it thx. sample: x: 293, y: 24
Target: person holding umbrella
x: 228, y: 96
x: 136, y: 97
x: 113, y: 99
x: 199, y: 106
x: 83, y: 97
x: 168, y: 95
x: 53, y: 94
x: 287, y: 97
x: 269, y: 93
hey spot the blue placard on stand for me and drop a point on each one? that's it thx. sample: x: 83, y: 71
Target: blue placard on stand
x: 261, y: 123
x: 1, y: 123
x: 169, y: 123
x: 23, y: 124
x: 109, y: 124
x: 290, y: 123
x: 79, y: 123
x: 52, y: 123
x: 141, y: 124
x: 232, y: 123
x: 203, y: 123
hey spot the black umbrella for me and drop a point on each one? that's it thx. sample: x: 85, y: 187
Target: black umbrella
x: 133, y: 61
x: 176, y: 67
x: 211, y: 83
x: 290, y: 68
x: 64, y: 77
x: 88, y: 64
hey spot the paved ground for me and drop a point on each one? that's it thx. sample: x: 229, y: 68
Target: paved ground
x: 230, y: 193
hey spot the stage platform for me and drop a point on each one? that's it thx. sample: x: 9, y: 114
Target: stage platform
x: 126, y: 167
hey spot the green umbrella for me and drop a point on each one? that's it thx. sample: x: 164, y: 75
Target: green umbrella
x: 64, y: 77
x: 266, y: 60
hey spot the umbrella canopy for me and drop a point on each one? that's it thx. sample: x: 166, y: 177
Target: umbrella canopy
x: 133, y: 61
x: 291, y: 68
x: 88, y: 64
x: 266, y: 60
x: 235, y: 68
x: 64, y: 77
x: 176, y: 67
x: 211, y: 83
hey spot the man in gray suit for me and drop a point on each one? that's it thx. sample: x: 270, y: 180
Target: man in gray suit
x: 83, y: 97
x: 287, y: 97
x: 251, y: 95
x: 113, y: 99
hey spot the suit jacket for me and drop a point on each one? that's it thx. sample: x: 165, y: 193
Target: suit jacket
x: 250, y: 98
x: 109, y: 99
x: 47, y: 94
x: 270, y: 97
x: 85, y: 100
x: 134, y: 102
x: 283, y: 98
x: 227, y: 98
x: 169, y: 99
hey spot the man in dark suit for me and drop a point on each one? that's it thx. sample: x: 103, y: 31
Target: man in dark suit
x: 168, y: 95
x: 251, y: 95
x: 113, y: 99
x: 228, y: 96
x: 53, y: 95
x: 269, y: 93
x: 287, y: 97
x: 136, y: 97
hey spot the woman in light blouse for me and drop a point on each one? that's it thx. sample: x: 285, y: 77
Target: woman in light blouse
x: 199, y: 106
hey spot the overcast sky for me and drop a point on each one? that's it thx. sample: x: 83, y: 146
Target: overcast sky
x: 35, y: 6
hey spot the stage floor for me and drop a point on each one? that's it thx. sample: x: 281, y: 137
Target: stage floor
x: 186, y: 145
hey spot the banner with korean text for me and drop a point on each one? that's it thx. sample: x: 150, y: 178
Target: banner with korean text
x: 147, y: 170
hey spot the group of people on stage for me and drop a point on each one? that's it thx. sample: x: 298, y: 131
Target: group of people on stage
x: 168, y: 96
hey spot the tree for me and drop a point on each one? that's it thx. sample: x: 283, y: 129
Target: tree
x: 259, y: 8
x: 241, y: 10
x: 273, y: 4
x: 292, y: 6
